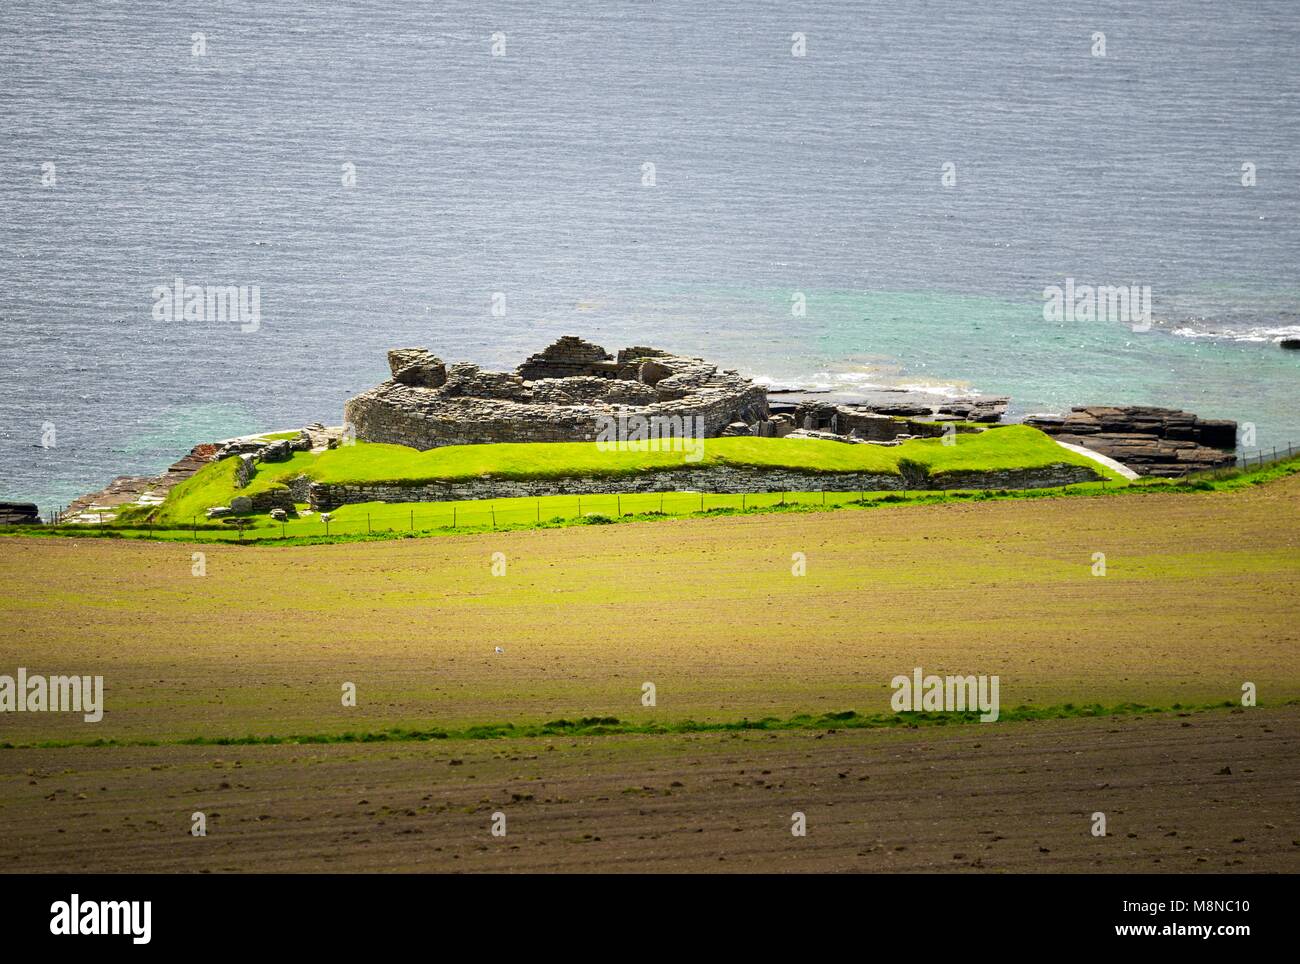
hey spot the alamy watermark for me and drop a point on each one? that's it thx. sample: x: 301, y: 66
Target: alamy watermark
x: 654, y: 433
x: 946, y: 694
x: 54, y: 694
x: 211, y: 303
x: 1127, y: 304
x: 132, y: 918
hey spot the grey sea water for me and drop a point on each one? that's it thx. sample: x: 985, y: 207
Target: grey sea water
x: 523, y: 176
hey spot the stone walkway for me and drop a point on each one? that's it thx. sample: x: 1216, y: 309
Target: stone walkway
x: 1105, y: 460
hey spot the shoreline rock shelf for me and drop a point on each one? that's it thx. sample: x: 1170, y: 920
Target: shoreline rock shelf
x: 19, y: 514
x: 137, y: 489
x: 1152, y: 441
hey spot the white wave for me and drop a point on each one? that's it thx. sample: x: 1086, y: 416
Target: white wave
x: 1257, y: 333
x: 930, y: 388
x: 867, y: 381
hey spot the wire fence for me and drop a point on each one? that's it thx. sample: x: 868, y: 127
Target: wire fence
x: 1261, y: 457
x: 506, y: 513
x: 474, y: 516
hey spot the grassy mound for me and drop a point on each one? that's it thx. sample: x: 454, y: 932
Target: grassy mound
x: 1010, y: 447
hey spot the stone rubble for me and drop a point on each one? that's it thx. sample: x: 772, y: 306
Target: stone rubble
x: 894, y: 421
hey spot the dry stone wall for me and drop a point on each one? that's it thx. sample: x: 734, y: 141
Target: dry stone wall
x: 716, y: 479
x: 1041, y: 478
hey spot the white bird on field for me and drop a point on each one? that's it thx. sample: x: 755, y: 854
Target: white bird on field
x: 500, y: 651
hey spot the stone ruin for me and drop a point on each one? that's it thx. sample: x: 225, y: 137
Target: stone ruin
x: 573, y: 390
x: 889, y: 423
x: 248, y: 451
x: 568, y: 392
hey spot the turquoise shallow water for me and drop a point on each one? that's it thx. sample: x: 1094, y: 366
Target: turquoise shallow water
x: 523, y: 175
x: 1001, y: 347
x: 944, y: 342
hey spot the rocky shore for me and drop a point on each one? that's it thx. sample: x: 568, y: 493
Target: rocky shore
x: 19, y: 514
x: 137, y: 489
x: 1151, y: 441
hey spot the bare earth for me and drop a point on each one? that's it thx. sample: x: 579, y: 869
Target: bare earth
x: 1198, y: 598
x: 1001, y: 797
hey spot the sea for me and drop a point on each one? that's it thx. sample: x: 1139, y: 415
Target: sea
x: 838, y: 195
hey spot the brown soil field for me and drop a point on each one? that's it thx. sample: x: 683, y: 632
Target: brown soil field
x: 1213, y: 791
x: 1199, y: 597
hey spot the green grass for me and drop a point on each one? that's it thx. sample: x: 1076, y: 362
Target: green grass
x: 1016, y: 446
x: 382, y: 520
x: 1009, y: 447
x: 609, y: 725
x: 367, y: 521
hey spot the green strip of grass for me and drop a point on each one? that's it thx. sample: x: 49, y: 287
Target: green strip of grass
x: 371, y: 521
x: 366, y: 522
x: 1009, y: 447
x: 609, y: 726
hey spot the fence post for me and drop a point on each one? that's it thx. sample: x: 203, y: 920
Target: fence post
x: 493, y: 509
x: 412, y: 520
x: 367, y: 523
x: 453, y: 515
